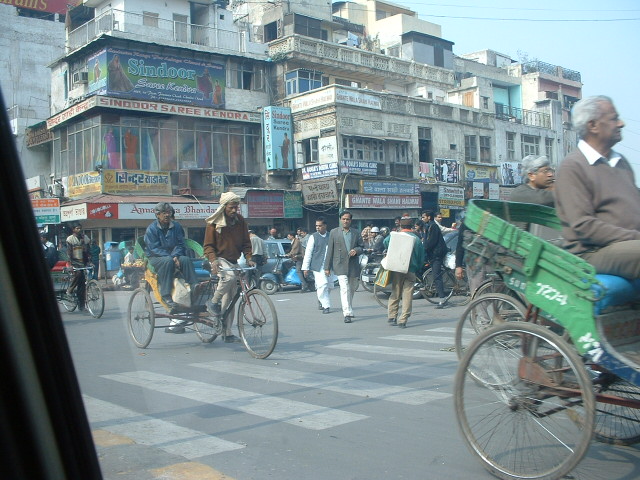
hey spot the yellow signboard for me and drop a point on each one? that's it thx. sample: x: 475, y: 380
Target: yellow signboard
x: 84, y: 184
x: 136, y: 181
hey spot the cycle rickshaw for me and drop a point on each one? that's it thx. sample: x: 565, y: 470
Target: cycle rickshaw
x: 536, y: 386
x: 93, y: 294
x: 257, y: 318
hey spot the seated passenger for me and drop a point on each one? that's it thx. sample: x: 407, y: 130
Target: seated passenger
x: 597, y: 199
x: 164, y: 245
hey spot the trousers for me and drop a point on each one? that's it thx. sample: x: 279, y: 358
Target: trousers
x: 348, y: 287
x: 620, y: 258
x: 165, y: 268
x: 401, y: 289
x: 225, y: 291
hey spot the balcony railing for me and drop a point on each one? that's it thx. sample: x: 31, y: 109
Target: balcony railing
x: 520, y: 115
x: 537, y: 66
x: 153, y: 29
x: 355, y: 57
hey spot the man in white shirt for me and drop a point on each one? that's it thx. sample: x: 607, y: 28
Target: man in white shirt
x: 313, y: 260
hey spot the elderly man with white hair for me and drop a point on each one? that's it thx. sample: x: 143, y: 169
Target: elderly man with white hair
x: 538, y: 182
x: 597, y: 199
x: 225, y: 239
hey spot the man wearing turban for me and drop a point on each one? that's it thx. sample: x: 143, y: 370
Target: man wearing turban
x: 226, y: 237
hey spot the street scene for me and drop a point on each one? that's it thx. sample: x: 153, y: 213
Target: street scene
x: 350, y: 401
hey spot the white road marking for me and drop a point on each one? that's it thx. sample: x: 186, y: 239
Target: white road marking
x: 420, y: 338
x: 296, y: 413
x: 146, y: 430
x: 396, y: 352
x: 349, y: 386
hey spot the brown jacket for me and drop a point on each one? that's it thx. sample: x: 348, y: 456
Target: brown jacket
x: 229, y: 243
x: 297, y: 252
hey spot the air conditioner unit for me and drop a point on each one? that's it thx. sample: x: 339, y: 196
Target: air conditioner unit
x: 80, y: 77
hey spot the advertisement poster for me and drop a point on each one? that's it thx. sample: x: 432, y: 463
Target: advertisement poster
x: 447, y: 171
x: 427, y: 172
x: 511, y: 173
x: 476, y: 173
x: 276, y: 126
x: 148, y: 76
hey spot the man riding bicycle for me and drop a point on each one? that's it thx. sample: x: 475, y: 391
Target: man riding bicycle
x: 225, y: 238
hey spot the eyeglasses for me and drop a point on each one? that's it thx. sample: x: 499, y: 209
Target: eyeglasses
x: 546, y: 171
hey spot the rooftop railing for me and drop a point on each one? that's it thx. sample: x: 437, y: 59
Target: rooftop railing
x: 520, y: 115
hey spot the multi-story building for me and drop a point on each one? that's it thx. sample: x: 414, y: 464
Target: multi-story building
x: 354, y: 104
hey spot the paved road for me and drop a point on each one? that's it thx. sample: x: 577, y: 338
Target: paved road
x: 334, y: 401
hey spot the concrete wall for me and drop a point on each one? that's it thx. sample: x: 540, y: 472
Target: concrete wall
x: 29, y: 45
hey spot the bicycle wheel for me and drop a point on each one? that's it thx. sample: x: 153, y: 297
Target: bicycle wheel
x: 430, y: 292
x: 382, y: 294
x: 207, y: 329
x: 484, y: 312
x: 69, y: 302
x: 460, y: 293
x: 491, y: 285
x: 142, y: 317
x: 258, y: 324
x: 616, y: 424
x: 94, y: 299
x: 532, y: 414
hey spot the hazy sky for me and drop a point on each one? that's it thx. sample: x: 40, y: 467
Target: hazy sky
x: 604, y: 52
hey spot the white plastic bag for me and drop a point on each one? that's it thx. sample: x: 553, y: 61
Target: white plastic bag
x: 181, y: 292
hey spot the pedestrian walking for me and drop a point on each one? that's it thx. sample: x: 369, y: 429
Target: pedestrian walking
x: 313, y: 261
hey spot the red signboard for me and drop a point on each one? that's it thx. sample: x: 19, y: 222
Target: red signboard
x: 51, y: 6
x: 102, y: 211
x: 263, y: 204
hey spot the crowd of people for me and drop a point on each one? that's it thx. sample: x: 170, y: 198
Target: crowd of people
x: 594, y: 192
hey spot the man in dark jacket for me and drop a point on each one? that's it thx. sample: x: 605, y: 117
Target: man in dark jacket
x: 435, y: 250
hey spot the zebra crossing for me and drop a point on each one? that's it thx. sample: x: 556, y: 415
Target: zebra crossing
x: 392, y: 354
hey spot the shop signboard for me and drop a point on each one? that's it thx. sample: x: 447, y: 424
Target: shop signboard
x: 71, y: 213
x: 276, y: 125
x: 450, y: 196
x: 383, y: 201
x: 325, y: 191
x: 328, y: 149
x: 83, y: 184
x: 372, y: 187
x: 265, y: 204
x: 478, y: 173
x: 292, y: 205
x: 217, y: 184
x: 140, y: 182
x: 102, y: 211
x: 322, y: 170
x: 359, y: 167
x: 46, y: 210
x: 150, y: 76
x: 184, y: 211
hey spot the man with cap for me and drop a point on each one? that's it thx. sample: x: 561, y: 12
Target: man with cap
x: 225, y: 239
x: 539, y: 182
x: 402, y: 284
x: 165, y: 248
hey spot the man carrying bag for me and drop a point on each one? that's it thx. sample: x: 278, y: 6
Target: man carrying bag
x: 404, y: 260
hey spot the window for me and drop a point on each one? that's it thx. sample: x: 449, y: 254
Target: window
x: 485, y: 102
x: 309, y: 27
x: 246, y: 76
x: 530, y: 145
x: 150, y: 19
x: 470, y: 148
x: 399, y: 160
x: 310, y: 150
x: 485, y: 149
x: 299, y: 81
x: 366, y: 149
x: 511, y: 146
x: 424, y: 145
x: 548, y: 149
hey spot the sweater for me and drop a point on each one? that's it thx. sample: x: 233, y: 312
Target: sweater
x: 229, y: 243
x: 597, y: 204
x: 525, y: 194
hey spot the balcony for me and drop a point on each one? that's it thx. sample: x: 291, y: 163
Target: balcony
x: 135, y: 26
x: 541, y: 67
x: 351, y: 59
x: 520, y: 115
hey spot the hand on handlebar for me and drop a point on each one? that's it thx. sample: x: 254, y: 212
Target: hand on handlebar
x: 459, y: 273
